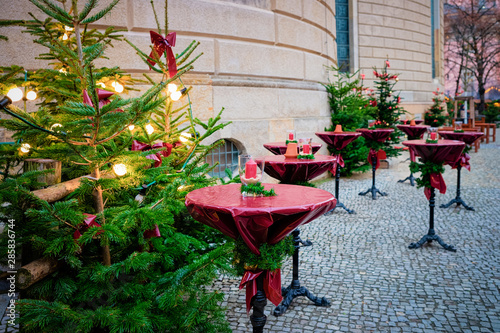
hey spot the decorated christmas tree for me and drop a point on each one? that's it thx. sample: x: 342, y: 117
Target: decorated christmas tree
x: 387, y: 109
x: 119, y: 253
x: 434, y: 115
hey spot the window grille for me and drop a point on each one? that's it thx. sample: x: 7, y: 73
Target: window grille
x: 227, y: 156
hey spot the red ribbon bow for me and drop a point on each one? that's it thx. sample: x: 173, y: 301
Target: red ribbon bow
x: 87, y: 223
x: 272, y: 286
x: 462, y: 161
x: 437, y: 181
x: 378, y: 154
x: 136, y: 145
x: 102, y: 95
x: 164, y: 44
x: 155, y: 232
x: 339, y: 161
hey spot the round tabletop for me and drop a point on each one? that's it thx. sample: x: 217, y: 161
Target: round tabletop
x: 279, y: 148
x: 444, y: 151
x: 292, y: 170
x: 375, y: 134
x: 413, y: 131
x: 338, y: 140
x: 467, y: 137
x: 258, y: 220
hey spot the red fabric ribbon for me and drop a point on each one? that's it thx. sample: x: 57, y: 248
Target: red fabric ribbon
x: 136, y: 145
x: 160, y: 45
x: 378, y: 154
x: 462, y: 161
x: 155, y: 232
x: 103, y: 96
x: 272, y: 286
x: 87, y: 223
x: 437, y: 181
x: 339, y: 161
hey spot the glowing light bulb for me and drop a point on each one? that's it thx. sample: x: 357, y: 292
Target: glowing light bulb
x: 55, y: 127
x: 65, y: 37
x: 184, y: 137
x: 175, y: 95
x: 63, y: 70
x: 118, y: 87
x: 171, y: 87
x: 15, y: 94
x: 68, y: 28
x: 150, y: 129
x: 25, y: 148
x: 31, y: 95
x: 120, y: 169
x: 131, y: 127
x: 102, y: 85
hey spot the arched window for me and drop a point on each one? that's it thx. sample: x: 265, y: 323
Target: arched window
x: 227, y: 156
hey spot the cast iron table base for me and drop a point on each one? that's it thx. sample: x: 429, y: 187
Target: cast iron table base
x: 431, y: 235
x: 339, y: 204
x: 259, y: 301
x: 373, y: 189
x: 295, y: 289
x: 458, y: 200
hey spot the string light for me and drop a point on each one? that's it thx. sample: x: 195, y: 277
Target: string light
x: 25, y: 148
x: 184, y: 137
x: 131, y: 127
x: 150, y: 129
x: 55, y: 127
x: 118, y: 87
x: 63, y: 70
x: 31, y: 95
x: 101, y: 84
x: 120, y: 169
x: 175, y: 95
x: 171, y: 87
x: 65, y: 37
x: 68, y: 28
x: 15, y: 94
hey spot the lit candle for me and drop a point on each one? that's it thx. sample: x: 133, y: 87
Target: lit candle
x: 251, y: 169
x: 306, y: 149
x: 412, y: 122
x: 290, y: 136
x: 338, y: 129
x: 433, y: 135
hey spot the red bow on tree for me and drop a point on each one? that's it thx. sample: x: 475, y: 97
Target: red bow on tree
x: 272, y: 286
x: 103, y: 96
x: 164, y: 44
x: 155, y: 232
x: 87, y: 223
x: 136, y: 145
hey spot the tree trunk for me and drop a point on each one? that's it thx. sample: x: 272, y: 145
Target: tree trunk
x: 35, y: 271
x: 99, y: 207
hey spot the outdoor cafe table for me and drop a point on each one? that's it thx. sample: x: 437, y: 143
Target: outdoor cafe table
x: 376, y: 135
x: 444, y: 151
x: 338, y: 141
x: 259, y: 220
x: 279, y: 148
x: 414, y: 132
x: 468, y: 138
x: 288, y: 171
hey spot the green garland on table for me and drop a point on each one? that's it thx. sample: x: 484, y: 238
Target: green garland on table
x: 271, y: 256
x: 290, y: 141
x: 257, y: 189
x: 425, y: 170
x: 458, y: 131
x: 306, y: 157
x: 431, y: 141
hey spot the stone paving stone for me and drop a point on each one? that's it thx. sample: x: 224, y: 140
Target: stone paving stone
x: 362, y: 264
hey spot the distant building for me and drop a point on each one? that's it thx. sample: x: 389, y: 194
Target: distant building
x: 265, y: 61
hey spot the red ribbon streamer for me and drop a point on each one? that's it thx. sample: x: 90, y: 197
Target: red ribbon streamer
x: 378, y: 154
x: 339, y: 161
x: 462, y: 161
x: 160, y: 45
x: 272, y: 286
x: 437, y: 181
x: 87, y: 223
x: 136, y: 145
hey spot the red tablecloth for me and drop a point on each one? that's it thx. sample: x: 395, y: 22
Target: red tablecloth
x: 413, y: 132
x: 291, y: 170
x: 376, y: 134
x: 445, y: 151
x: 407, y: 122
x: 338, y: 141
x: 467, y: 137
x: 259, y: 220
x: 279, y: 148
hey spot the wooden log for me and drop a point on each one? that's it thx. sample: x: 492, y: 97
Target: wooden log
x: 59, y: 191
x: 35, y: 271
x: 42, y: 164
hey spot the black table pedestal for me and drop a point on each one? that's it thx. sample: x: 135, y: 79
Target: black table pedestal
x: 259, y: 301
x: 373, y: 189
x: 458, y: 200
x: 410, y: 178
x: 337, y: 183
x: 295, y: 289
x: 431, y: 235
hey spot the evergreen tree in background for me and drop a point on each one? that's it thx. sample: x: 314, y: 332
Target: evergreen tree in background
x: 349, y: 107
x: 126, y: 255
x: 434, y: 115
x: 387, y: 109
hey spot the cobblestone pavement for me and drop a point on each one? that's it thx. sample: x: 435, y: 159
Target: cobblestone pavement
x: 362, y: 264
